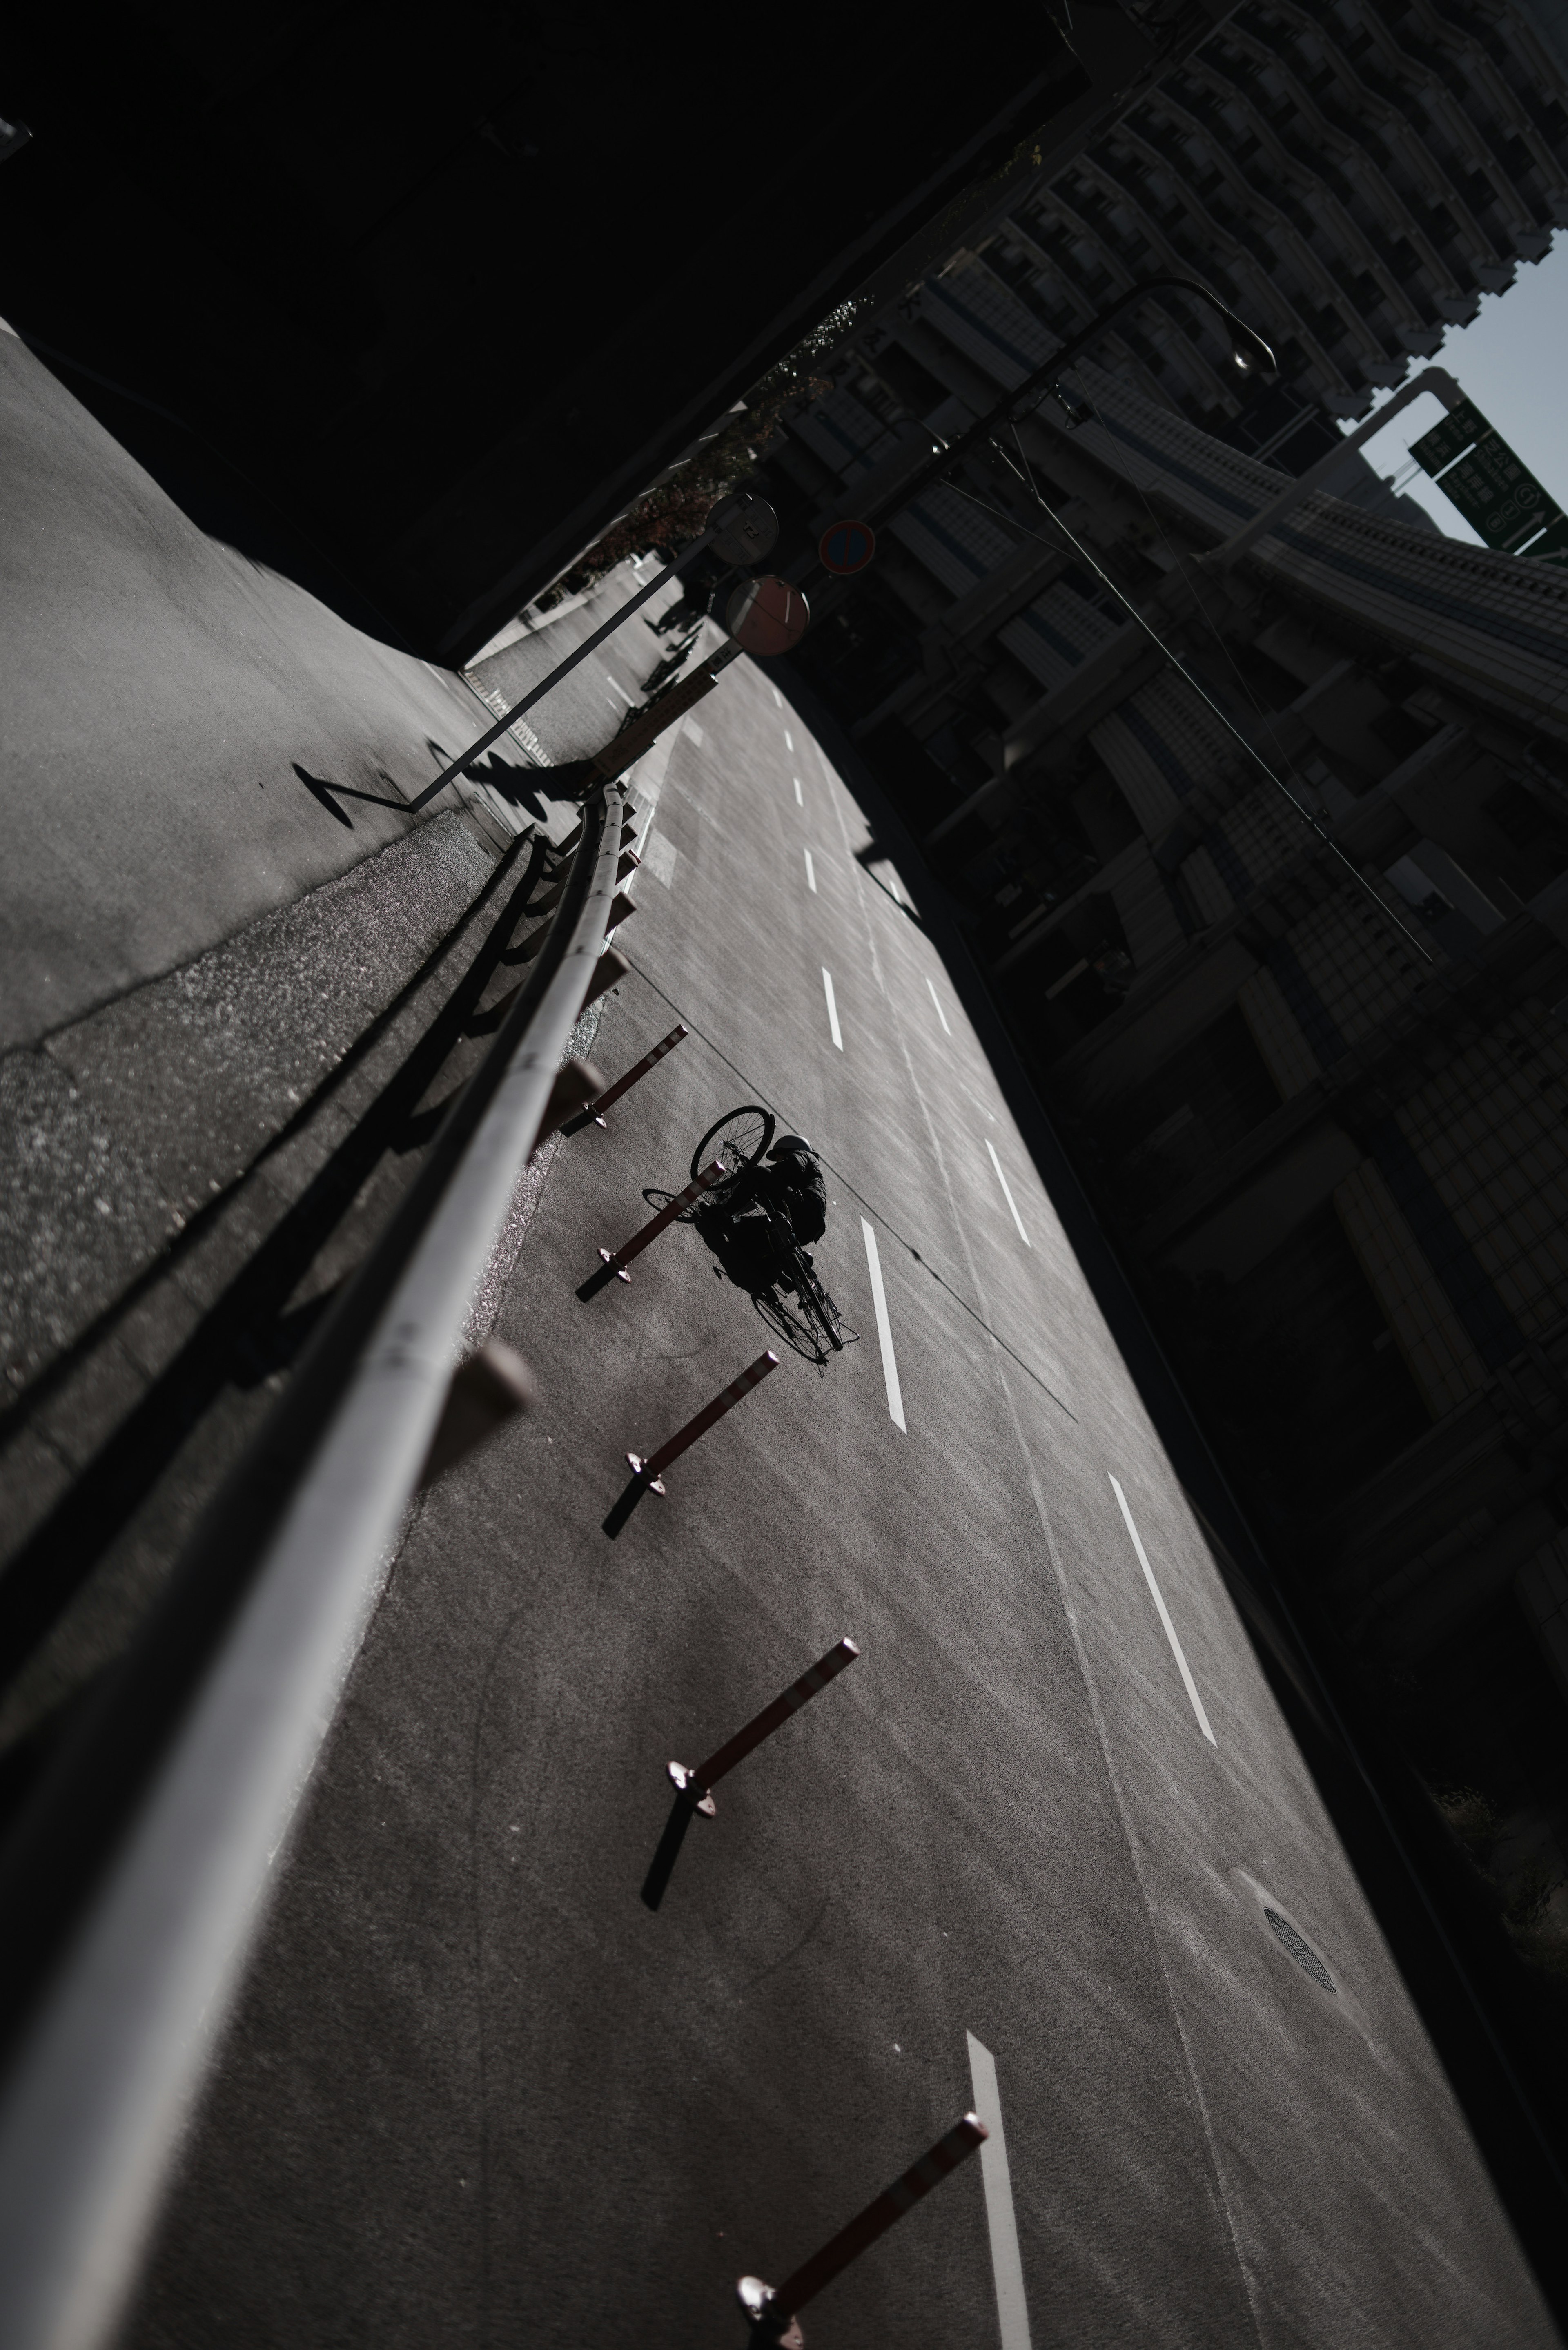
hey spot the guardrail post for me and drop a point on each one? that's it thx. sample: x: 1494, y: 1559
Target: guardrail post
x: 770, y: 2309
x: 487, y: 1391
x: 610, y: 968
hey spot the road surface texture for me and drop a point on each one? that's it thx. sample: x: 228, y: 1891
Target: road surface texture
x: 1047, y: 1845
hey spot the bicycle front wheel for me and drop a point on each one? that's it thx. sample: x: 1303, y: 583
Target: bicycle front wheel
x: 739, y: 1139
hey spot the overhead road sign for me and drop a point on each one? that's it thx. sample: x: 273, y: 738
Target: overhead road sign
x: 1498, y: 495
x: 1449, y: 438
x: 1495, y: 491
x: 1551, y: 547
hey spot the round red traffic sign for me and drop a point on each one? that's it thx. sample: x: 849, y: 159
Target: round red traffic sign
x: 767, y: 616
x: 846, y: 547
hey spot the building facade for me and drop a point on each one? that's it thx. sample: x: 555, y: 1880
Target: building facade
x: 1350, y: 174
x: 1315, y: 1074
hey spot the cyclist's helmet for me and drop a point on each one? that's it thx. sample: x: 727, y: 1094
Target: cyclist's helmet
x: 791, y: 1146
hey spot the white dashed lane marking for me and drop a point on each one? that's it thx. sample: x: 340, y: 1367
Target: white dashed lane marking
x: 798, y: 800
x: 832, y: 1008
x: 695, y: 732
x: 810, y: 872
x: 1007, y: 1194
x: 937, y: 1000
x: 789, y: 740
x: 1176, y: 1649
x: 1007, y: 2268
x: 883, y: 1327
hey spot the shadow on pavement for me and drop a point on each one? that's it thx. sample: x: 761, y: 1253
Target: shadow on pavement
x: 656, y: 1883
x: 519, y: 786
x: 634, y: 1489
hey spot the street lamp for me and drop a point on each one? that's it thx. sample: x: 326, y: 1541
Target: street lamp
x: 1249, y: 352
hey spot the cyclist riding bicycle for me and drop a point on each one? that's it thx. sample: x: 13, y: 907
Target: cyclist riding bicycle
x: 766, y: 1213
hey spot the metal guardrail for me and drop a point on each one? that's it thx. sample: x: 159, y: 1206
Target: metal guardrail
x: 234, y: 1687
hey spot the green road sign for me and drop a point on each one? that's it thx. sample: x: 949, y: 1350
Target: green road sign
x: 1551, y: 547
x: 1449, y: 438
x: 1497, y: 494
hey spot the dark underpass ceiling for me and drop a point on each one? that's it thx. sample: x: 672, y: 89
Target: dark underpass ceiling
x: 426, y: 307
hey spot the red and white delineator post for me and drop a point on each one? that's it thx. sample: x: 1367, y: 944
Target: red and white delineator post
x: 772, y: 2308
x: 618, y: 1259
x: 639, y: 1069
x: 651, y: 1471
x: 693, y: 1787
x: 696, y: 1784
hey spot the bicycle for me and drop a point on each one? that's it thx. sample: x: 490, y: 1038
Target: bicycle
x: 812, y: 1326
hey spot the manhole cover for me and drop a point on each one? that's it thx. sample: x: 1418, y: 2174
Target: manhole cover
x: 1305, y: 1957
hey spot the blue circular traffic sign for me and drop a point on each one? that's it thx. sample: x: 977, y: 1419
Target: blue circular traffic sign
x: 846, y: 547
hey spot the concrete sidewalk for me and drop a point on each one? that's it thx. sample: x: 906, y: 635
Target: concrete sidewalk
x: 168, y: 705
x: 198, y: 913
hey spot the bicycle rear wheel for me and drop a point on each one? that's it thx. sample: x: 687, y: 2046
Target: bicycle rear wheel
x: 819, y: 1308
x: 739, y: 1139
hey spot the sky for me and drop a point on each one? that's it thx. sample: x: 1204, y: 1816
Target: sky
x: 1513, y: 363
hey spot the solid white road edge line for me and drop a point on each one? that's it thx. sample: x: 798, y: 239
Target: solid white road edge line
x: 1007, y: 1194
x: 832, y: 1007
x: 1176, y: 1650
x: 937, y: 1000
x: 1007, y: 2268
x: 810, y: 872
x: 884, y: 1329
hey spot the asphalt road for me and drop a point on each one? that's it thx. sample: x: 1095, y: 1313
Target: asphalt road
x: 478, y: 2094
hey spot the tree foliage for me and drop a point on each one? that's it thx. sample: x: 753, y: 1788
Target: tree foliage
x: 671, y: 515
